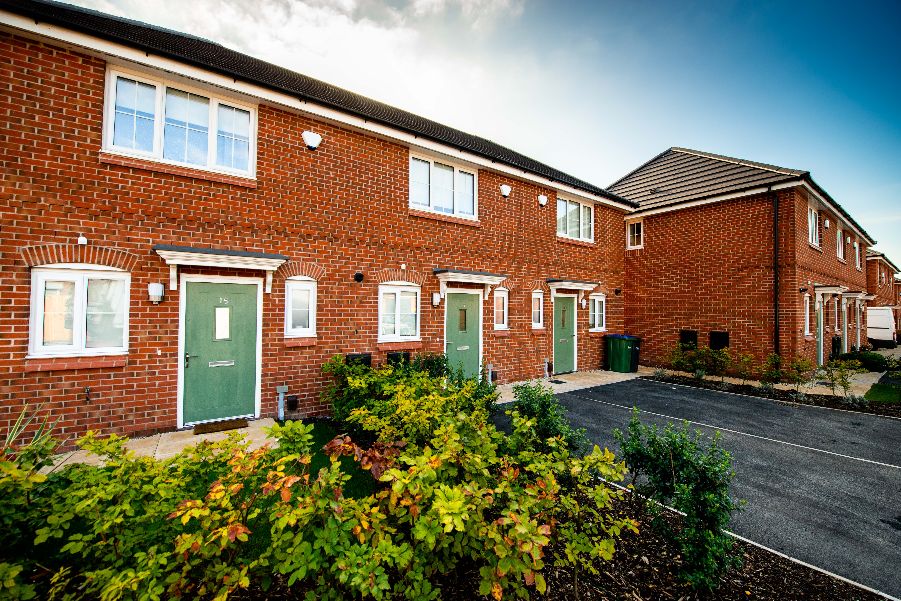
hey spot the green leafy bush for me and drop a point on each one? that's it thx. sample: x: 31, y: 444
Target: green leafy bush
x: 838, y: 374
x: 772, y: 371
x: 537, y: 401
x: 799, y: 372
x: 222, y: 516
x: 674, y: 467
x: 745, y: 366
x: 868, y: 360
x: 700, y: 361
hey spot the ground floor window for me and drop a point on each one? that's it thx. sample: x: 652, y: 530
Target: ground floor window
x: 501, y: 306
x: 807, y: 331
x: 79, y: 310
x: 597, y: 312
x: 537, y: 309
x: 398, y: 312
x: 300, y: 307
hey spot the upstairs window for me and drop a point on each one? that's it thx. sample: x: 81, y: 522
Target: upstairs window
x: 839, y: 243
x: 175, y: 125
x: 398, y: 312
x: 575, y: 220
x: 813, y: 226
x: 537, y: 309
x: 79, y: 310
x: 442, y: 188
x: 501, y: 308
x: 300, y: 308
x: 634, y: 235
x: 597, y: 312
x: 857, y: 253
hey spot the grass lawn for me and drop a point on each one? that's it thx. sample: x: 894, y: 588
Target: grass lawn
x: 360, y: 484
x: 884, y: 393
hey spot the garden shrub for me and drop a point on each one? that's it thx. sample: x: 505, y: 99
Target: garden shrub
x: 700, y: 361
x: 221, y: 517
x: 868, y: 360
x: 674, y: 467
x: 744, y: 366
x: 838, y: 374
x: 537, y: 401
x: 772, y: 372
x: 799, y: 372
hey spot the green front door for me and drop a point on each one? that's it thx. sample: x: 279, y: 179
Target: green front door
x: 564, y: 334
x: 220, y: 351
x: 462, y: 331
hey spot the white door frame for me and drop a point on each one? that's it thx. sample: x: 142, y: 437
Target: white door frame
x: 575, y: 330
x: 481, y: 295
x: 182, y: 303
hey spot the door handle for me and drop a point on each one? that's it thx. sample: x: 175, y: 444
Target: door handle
x: 188, y: 358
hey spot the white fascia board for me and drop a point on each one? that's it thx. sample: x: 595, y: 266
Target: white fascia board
x: 114, y: 52
x: 831, y: 207
x: 695, y: 203
x: 572, y: 285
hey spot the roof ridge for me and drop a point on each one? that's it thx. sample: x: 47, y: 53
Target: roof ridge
x: 737, y: 161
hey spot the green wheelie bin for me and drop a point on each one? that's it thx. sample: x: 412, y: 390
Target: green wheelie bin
x: 622, y: 352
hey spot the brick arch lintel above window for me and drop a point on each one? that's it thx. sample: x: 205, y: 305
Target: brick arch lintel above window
x: 49, y: 254
x: 508, y: 284
x: 398, y: 275
x: 539, y: 285
x: 293, y: 269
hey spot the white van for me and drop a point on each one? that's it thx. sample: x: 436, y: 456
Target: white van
x: 881, y: 327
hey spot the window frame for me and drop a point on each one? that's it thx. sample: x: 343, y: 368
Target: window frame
x: 300, y: 283
x: 79, y: 273
x: 857, y: 255
x: 629, y: 245
x: 840, y: 242
x: 504, y: 295
x: 396, y: 288
x: 161, y: 84
x: 592, y: 312
x: 582, y: 205
x: 813, y: 226
x: 537, y: 325
x: 806, y: 304
x: 457, y: 167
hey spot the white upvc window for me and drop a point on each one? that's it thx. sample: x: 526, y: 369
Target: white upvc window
x: 813, y: 226
x: 857, y: 253
x: 501, y: 309
x: 597, y: 312
x: 78, y: 310
x: 442, y: 187
x: 839, y: 243
x: 575, y: 220
x: 836, y: 324
x: 807, y: 331
x: 634, y: 234
x: 537, y: 309
x: 178, y: 125
x: 300, y: 307
x: 398, y: 312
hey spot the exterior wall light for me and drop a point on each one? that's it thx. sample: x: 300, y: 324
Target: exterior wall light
x: 436, y: 299
x: 82, y: 240
x: 505, y: 190
x: 155, y: 291
x: 311, y: 139
x: 542, y: 199
x: 826, y: 223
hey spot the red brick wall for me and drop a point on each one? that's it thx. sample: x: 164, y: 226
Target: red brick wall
x: 822, y: 266
x: 710, y: 267
x: 340, y: 209
x: 882, y: 287
x: 703, y: 268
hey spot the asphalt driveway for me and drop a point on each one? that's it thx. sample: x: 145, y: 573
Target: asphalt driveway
x: 822, y: 486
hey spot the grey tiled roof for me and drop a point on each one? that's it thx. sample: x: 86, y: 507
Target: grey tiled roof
x: 214, y: 57
x: 681, y: 175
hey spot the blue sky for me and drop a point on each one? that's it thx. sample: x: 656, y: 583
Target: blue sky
x: 597, y: 88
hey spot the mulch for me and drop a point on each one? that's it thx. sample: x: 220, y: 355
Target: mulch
x: 785, y: 396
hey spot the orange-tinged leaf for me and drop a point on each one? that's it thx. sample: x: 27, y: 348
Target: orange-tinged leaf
x: 496, y: 591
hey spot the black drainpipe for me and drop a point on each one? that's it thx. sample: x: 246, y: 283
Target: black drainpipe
x: 776, y: 328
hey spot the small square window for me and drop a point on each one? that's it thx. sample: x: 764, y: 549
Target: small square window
x: 300, y: 308
x: 635, y: 235
x: 398, y: 312
x: 597, y: 313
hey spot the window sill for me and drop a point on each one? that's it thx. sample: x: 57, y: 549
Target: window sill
x: 300, y: 341
x: 442, y: 217
x: 112, y: 158
x: 635, y: 247
x: 34, y: 364
x: 597, y: 331
x: 400, y: 346
x: 539, y: 331
x: 576, y: 242
x: 840, y: 260
x: 502, y: 332
x: 815, y: 247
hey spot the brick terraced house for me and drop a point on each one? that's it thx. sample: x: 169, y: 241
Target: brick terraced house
x: 731, y: 253
x: 188, y: 231
x: 881, y: 283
